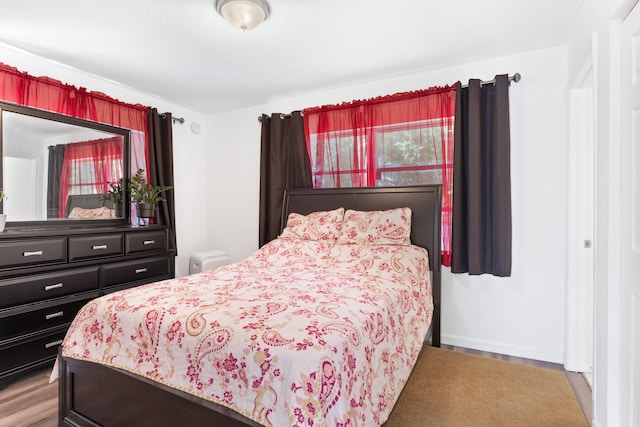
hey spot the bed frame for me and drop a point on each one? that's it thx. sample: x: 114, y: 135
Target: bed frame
x: 95, y: 395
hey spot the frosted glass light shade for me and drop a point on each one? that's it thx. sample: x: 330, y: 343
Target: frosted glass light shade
x: 243, y: 14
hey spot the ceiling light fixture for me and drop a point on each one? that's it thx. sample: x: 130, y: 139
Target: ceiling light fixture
x: 243, y: 14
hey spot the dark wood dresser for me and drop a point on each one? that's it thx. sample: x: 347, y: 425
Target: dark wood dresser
x: 48, y: 274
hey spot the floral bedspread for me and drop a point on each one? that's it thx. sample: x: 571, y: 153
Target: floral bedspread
x: 301, y: 333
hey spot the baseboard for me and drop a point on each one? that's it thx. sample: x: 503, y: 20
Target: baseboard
x: 501, y: 348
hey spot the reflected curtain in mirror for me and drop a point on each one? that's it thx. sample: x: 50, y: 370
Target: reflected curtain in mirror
x: 54, y: 171
x: 48, y: 96
x: 88, y: 168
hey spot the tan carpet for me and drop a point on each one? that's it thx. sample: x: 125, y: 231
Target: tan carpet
x: 448, y: 388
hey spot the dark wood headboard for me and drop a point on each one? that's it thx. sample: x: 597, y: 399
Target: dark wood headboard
x: 425, y: 202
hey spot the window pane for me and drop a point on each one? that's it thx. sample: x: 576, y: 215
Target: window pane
x: 401, y: 178
x: 83, y: 175
x: 409, y: 147
x: 406, y: 154
x: 343, y: 158
x: 410, y: 154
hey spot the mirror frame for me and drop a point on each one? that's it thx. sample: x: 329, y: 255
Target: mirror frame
x: 62, y: 222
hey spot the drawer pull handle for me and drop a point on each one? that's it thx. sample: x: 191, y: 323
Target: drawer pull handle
x: 51, y: 287
x: 96, y: 247
x: 32, y: 253
x: 52, y: 344
x: 149, y: 242
x: 141, y: 270
x: 54, y: 315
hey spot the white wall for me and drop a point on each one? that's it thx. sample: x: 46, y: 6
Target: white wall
x: 189, y: 149
x: 522, y: 315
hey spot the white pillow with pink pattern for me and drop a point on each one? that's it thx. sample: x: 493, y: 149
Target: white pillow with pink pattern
x: 322, y: 226
x: 95, y: 213
x: 390, y: 227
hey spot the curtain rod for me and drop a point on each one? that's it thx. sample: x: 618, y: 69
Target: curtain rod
x: 282, y: 116
x: 515, y: 78
x: 173, y: 119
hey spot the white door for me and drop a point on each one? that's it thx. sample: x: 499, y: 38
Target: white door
x: 630, y: 220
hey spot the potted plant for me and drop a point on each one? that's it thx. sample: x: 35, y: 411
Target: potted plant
x: 116, y: 195
x: 3, y: 216
x: 145, y: 195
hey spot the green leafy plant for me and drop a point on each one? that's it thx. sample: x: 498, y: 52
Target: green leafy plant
x: 2, y: 195
x: 116, y: 192
x: 143, y: 192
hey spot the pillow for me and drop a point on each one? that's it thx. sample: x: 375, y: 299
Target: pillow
x: 320, y: 226
x: 390, y: 227
x: 97, y: 213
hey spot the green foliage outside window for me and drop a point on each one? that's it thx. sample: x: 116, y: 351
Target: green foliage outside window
x: 405, y: 155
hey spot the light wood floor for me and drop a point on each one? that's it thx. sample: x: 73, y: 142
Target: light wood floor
x: 32, y: 401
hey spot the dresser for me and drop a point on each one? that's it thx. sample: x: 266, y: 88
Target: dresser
x: 47, y: 275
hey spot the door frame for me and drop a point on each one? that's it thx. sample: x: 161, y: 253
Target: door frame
x: 580, y: 305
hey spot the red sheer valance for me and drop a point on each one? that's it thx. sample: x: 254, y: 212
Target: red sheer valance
x: 48, y: 94
x: 400, y: 139
x: 402, y: 107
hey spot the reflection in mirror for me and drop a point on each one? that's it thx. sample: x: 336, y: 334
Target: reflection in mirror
x: 53, y: 170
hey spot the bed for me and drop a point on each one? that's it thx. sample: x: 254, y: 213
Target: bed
x: 352, y: 353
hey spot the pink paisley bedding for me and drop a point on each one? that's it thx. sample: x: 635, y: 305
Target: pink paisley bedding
x: 302, y: 333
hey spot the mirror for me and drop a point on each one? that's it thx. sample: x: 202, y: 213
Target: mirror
x: 58, y: 168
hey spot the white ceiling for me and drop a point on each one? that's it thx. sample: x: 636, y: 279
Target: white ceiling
x: 184, y: 52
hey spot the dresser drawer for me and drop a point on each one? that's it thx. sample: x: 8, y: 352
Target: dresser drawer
x: 147, y: 269
x: 12, y: 326
x: 94, y: 246
x: 29, y: 252
x: 37, y: 351
x: 44, y: 286
x: 146, y: 241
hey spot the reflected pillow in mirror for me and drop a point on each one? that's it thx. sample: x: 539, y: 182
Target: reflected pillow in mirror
x: 96, y: 213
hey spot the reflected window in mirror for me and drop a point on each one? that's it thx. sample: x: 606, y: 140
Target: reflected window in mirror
x: 86, y: 167
x: 56, y: 167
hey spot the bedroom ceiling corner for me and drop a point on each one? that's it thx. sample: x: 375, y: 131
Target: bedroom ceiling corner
x: 185, y: 52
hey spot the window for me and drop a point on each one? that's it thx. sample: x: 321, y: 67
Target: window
x: 396, y: 140
x: 84, y: 178
x: 410, y: 154
x: 338, y: 162
x: 405, y: 154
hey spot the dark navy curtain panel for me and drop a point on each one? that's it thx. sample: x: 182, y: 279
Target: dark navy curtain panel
x: 481, y: 224
x: 160, y: 131
x: 284, y: 164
